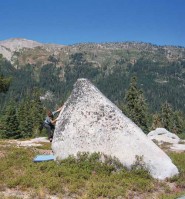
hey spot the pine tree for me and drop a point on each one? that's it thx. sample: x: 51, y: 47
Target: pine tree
x: 172, y: 121
x: 30, y: 115
x: 4, y: 84
x: 156, y: 122
x: 167, y: 116
x: 178, y: 126
x: 21, y: 118
x: 25, y: 123
x: 10, y: 122
x: 36, y: 113
x: 135, y: 106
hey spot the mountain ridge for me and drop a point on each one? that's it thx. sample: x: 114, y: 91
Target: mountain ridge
x: 160, y: 69
x: 10, y: 46
x: 19, y: 43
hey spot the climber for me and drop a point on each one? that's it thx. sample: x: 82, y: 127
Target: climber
x: 50, y: 121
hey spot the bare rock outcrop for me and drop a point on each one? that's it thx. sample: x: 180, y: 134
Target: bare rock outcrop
x: 162, y: 135
x: 89, y: 122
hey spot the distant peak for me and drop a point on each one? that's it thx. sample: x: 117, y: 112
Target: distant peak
x: 17, y: 39
x: 18, y: 43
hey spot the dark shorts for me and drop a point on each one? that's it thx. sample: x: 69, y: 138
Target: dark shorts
x: 50, y: 129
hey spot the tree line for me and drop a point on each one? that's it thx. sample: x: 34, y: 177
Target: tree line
x: 132, y: 87
x: 24, y: 119
x: 136, y: 108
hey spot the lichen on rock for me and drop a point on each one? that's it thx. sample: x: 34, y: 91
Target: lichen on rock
x: 89, y: 122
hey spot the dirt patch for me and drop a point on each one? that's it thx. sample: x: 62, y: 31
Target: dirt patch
x: 7, y: 193
x: 29, y: 143
x: 36, y: 144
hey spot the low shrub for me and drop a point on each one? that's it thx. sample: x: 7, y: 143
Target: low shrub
x: 85, y: 176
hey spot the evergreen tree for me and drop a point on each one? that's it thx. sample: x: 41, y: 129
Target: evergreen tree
x: 167, y: 116
x: 4, y: 84
x: 156, y: 122
x: 25, y: 124
x: 10, y: 122
x: 36, y: 113
x: 135, y: 105
x: 178, y: 126
x: 30, y: 115
x: 172, y: 121
x: 4, y: 81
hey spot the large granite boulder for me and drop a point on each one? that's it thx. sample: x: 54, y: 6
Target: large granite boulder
x: 89, y: 122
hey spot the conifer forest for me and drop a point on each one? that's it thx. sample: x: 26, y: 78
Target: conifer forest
x: 145, y: 81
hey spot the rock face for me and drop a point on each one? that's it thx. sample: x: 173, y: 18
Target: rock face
x: 178, y: 147
x: 10, y: 46
x: 162, y: 135
x: 19, y: 43
x: 89, y: 122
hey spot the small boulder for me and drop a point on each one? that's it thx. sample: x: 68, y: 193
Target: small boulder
x: 162, y: 135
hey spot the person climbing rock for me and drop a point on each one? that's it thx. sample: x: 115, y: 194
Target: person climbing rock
x: 50, y: 121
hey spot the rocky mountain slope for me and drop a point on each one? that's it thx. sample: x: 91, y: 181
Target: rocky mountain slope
x: 11, y: 48
x: 19, y: 43
x: 16, y: 48
x: 160, y: 69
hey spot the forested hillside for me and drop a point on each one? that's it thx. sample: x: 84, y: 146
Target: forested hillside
x: 160, y: 72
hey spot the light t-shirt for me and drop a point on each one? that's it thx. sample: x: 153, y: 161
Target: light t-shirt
x: 48, y: 119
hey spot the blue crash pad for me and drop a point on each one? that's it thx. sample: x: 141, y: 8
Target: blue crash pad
x: 43, y: 158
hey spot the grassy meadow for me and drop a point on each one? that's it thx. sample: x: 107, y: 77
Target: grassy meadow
x: 84, y: 177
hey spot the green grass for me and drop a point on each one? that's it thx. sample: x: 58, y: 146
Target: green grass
x: 179, y: 161
x: 44, y: 146
x: 83, y: 177
x: 182, y: 136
